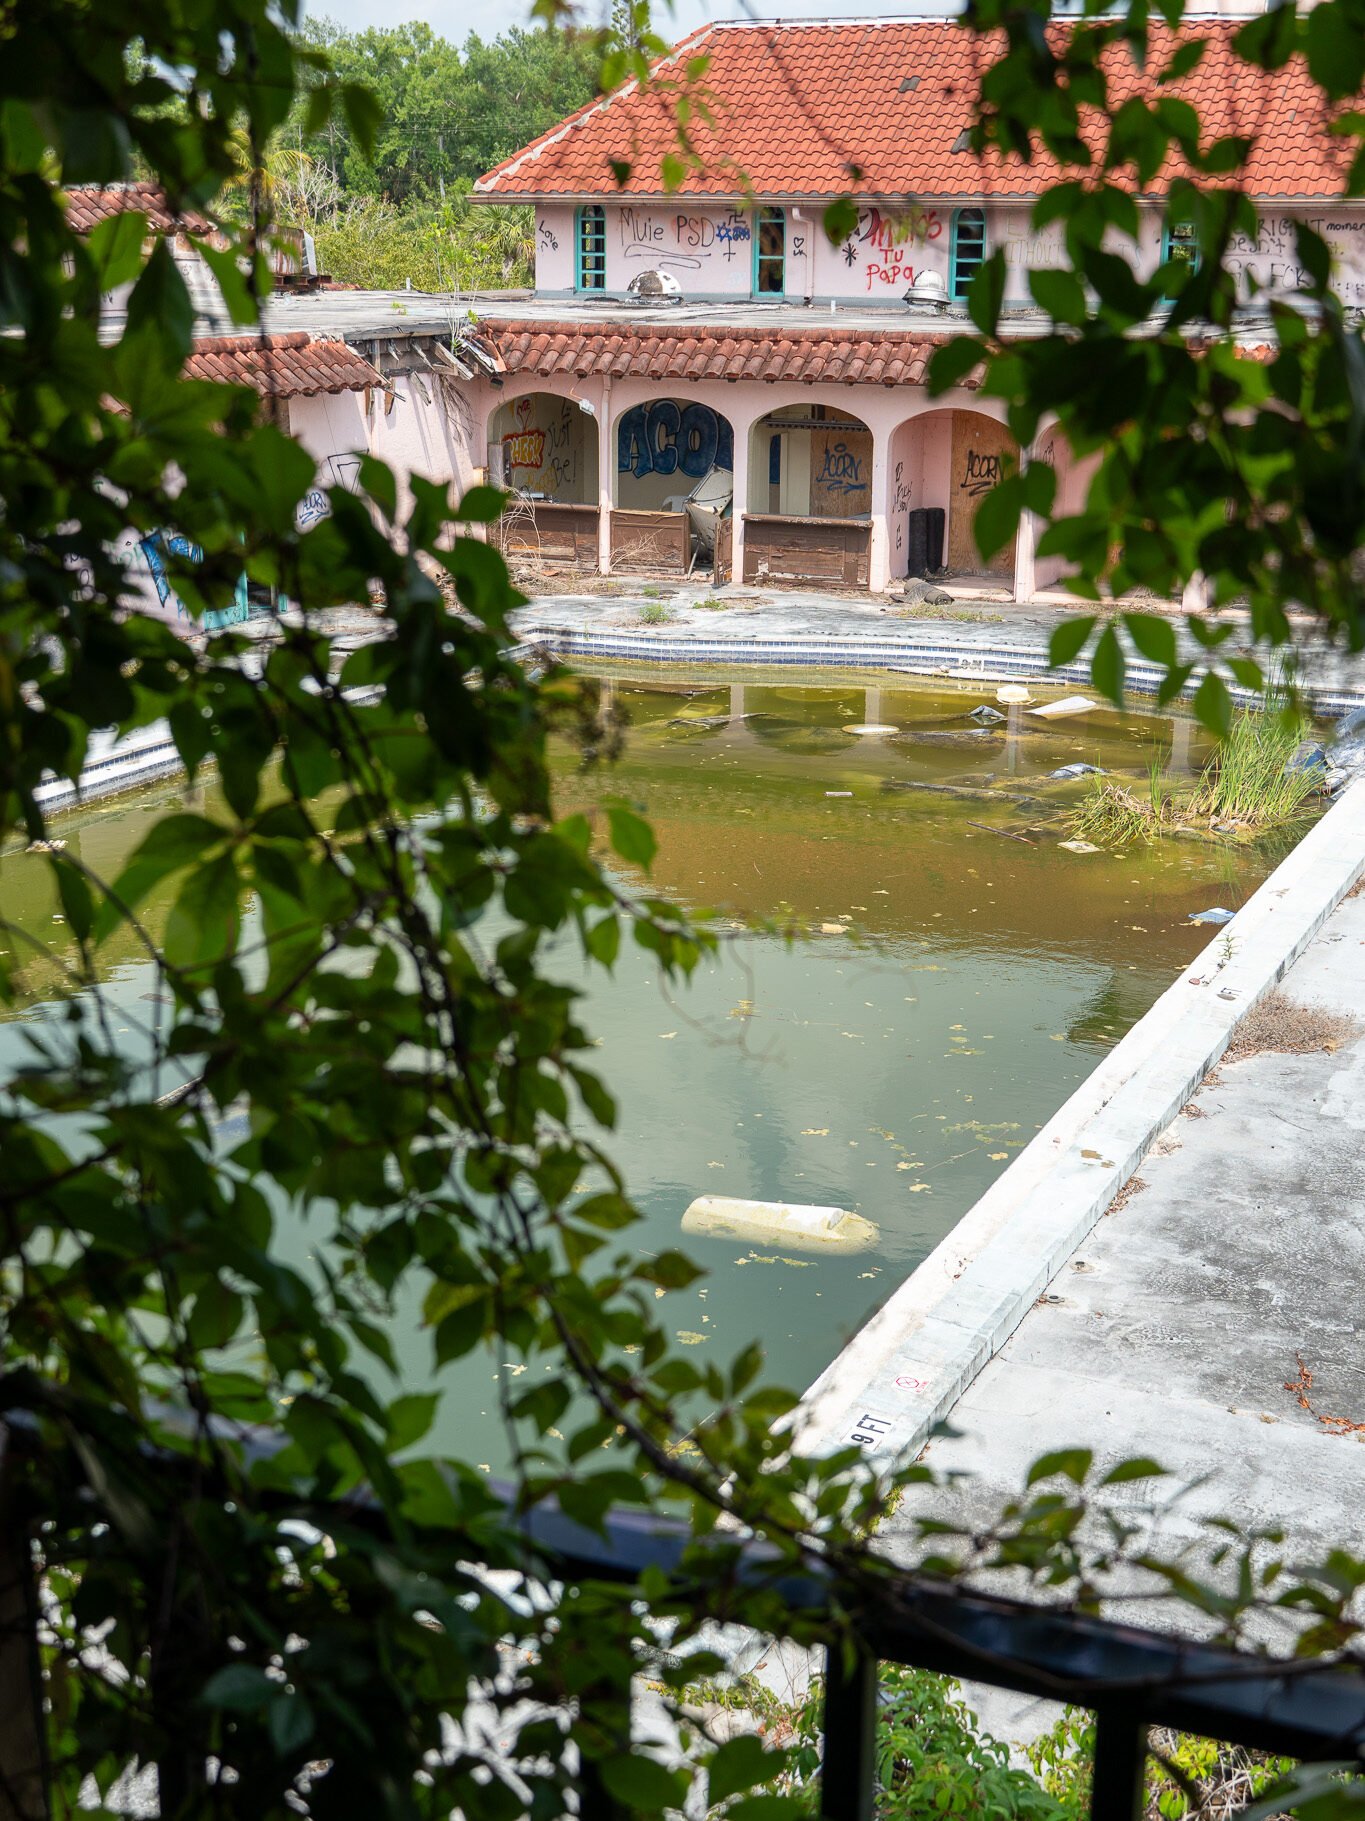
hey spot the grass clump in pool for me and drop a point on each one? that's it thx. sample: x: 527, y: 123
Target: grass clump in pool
x: 1248, y: 787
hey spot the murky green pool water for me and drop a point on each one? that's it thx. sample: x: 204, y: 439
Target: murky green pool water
x: 963, y: 973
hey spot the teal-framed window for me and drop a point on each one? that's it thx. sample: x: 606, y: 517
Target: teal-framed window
x: 968, y: 249
x: 590, y: 249
x: 1180, y: 242
x: 770, y: 253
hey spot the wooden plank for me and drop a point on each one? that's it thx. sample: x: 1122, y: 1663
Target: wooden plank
x: 983, y: 453
x: 807, y: 550
x: 552, y: 532
x: 649, y: 543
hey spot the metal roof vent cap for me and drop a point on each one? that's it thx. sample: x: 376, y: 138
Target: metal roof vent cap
x: 929, y: 291
x: 654, y: 287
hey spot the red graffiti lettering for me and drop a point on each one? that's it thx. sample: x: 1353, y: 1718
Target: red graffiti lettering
x: 524, y: 449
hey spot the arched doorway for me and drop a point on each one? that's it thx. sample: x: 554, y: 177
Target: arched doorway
x: 673, y: 488
x: 809, y: 511
x: 943, y: 463
x: 543, y: 449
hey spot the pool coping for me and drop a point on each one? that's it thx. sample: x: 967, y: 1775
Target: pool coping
x: 903, y: 1372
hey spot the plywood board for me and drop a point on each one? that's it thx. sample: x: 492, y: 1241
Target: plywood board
x: 982, y: 454
x: 840, y: 472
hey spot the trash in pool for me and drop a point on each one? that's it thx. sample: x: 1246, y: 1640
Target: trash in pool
x: 1078, y: 771
x: 985, y: 715
x: 1306, y: 756
x: 1013, y: 695
x: 838, y: 793
x: 1052, y: 711
x: 1216, y: 915
x: 804, y: 1229
x: 1080, y: 847
x: 870, y: 727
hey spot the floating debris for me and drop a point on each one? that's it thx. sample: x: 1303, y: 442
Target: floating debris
x: 1069, y: 705
x: 870, y: 727
x: 1217, y: 915
x: 1080, y: 847
x: 1013, y: 695
x: 1078, y: 771
x: 985, y: 715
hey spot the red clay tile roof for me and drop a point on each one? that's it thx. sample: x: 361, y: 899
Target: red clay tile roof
x: 795, y: 105
x: 887, y: 357
x: 281, y: 366
x: 86, y: 207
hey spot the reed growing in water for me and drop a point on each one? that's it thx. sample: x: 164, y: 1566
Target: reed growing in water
x: 1245, y: 786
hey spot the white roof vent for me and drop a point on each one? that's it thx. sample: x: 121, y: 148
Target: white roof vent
x: 654, y: 287
x: 929, y: 291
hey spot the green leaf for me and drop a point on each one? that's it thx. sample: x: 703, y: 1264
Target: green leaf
x: 204, y: 920
x: 643, y: 1783
x: 240, y: 1688
x: 841, y: 220
x: 1072, y: 1463
x: 997, y: 515
x: 1153, y: 636
x: 631, y: 836
x: 1060, y: 293
x: 986, y: 293
x: 1213, y: 704
x: 77, y: 902
x: 114, y: 247
x: 739, y: 1764
x: 410, y: 1417
x: 1141, y: 1467
x: 1068, y: 640
x: 1107, y: 665
x: 482, y: 505
x: 290, y: 1722
x: 952, y: 363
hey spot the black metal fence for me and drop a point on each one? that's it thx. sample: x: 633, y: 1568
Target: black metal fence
x: 1131, y: 1679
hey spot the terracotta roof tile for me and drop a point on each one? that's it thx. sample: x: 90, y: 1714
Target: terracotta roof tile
x: 795, y: 104
x: 281, y: 366
x: 87, y: 206
x: 661, y: 351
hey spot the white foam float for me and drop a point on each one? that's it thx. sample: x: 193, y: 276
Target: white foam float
x: 1052, y: 711
x: 870, y: 727
x: 803, y: 1229
x: 1013, y: 695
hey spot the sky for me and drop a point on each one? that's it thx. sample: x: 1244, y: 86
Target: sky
x: 456, y: 19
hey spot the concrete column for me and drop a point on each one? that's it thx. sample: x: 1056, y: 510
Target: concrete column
x: 879, y: 556
x: 1025, y: 553
x: 606, y: 468
x: 740, y: 428
x: 736, y: 701
x: 872, y: 705
x: 1195, y: 599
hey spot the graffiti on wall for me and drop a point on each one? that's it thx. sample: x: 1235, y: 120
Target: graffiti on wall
x: 981, y: 469
x: 900, y: 503
x: 155, y: 548
x: 840, y: 469
x: 546, y: 237
x: 546, y: 448
x: 1270, y: 261
x: 691, y: 241
x: 665, y: 437
x: 885, y: 245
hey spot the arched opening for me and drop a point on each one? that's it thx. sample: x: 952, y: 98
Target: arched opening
x: 943, y: 463
x: 542, y: 448
x: 809, y: 516
x: 673, y: 488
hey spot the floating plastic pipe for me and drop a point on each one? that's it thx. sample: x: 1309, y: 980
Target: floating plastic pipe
x: 804, y: 1229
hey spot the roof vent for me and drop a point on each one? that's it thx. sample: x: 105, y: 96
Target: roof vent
x: 654, y: 287
x: 929, y: 292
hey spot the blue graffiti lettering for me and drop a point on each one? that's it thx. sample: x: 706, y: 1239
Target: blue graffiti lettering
x: 666, y: 438
x: 155, y: 548
x: 840, y: 469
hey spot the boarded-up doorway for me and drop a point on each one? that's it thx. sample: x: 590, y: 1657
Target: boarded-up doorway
x: 983, y: 453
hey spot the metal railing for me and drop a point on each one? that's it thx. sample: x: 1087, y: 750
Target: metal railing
x: 1131, y: 1679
